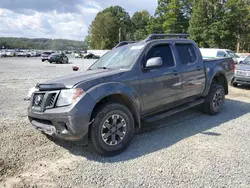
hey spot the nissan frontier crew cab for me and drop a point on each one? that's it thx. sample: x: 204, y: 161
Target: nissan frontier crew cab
x: 133, y: 83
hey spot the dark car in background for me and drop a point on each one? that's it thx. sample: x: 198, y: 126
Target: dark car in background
x: 45, y: 56
x: 60, y: 58
x: 91, y: 56
x: 242, y: 73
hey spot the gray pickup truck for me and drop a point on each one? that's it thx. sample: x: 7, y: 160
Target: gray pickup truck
x: 132, y: 84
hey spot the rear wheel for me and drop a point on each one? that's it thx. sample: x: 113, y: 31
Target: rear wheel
x: 215, y: 99
x: 111, y: 130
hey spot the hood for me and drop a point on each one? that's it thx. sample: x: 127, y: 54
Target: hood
x: 243, y: 67
x: 73, y: 79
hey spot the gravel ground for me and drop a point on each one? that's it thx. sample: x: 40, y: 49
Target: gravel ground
x: 190, y: 149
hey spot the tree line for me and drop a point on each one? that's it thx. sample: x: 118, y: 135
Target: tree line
x: 211, y: 23
x: 40, y: 44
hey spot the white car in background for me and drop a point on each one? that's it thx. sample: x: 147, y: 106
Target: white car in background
x: 10, y: 53
x: 208, y: 53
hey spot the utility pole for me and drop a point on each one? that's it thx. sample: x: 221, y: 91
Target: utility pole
x: 120, y: 30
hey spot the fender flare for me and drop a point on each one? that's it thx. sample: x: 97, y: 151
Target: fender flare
x: 211, y: 74
x: 101, y: 91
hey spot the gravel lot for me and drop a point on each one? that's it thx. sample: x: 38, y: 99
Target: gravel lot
x: 190, y: 149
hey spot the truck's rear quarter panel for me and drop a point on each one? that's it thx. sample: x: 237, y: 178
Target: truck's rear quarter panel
x: 213, y: 67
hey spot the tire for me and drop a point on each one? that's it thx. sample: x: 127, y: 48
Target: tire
x: 235, y: 84
x: 214, y: 100
x: 105, y: 115
x: 42, y: 60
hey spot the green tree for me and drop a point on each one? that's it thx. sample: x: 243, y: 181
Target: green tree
x: 140, y: 21
x: 219, y: 24
x: 106, y: 26
x: 123, y: 21
x: 104, y: 31
x: 155, y: 25
x: 174, y: 14
x: 199, y: 23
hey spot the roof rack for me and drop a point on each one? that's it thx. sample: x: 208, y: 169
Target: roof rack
x: 161, y: 36
x: 123, y: 43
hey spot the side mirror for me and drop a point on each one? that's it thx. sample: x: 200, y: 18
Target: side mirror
x: 154, y: 62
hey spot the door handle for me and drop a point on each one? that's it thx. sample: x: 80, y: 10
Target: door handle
x: 175, y: 72
x: 198, y: 68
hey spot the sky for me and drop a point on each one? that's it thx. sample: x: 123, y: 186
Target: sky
x: 67, y: 19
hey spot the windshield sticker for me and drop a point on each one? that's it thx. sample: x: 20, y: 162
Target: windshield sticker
x: 136, y: 47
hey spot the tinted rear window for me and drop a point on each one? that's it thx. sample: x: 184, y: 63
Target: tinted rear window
x: 186, y: 53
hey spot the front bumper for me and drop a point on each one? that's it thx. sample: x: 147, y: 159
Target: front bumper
x: 64, y: 127
x: 66, y: 123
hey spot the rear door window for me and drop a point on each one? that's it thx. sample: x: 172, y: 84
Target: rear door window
x: 186, y: 53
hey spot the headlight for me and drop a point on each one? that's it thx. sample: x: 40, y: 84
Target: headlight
x: 69, y: 96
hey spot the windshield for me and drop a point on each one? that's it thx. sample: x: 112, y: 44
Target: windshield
x: 122, y: 57
x: 232, y: 54
x: 246, y: 61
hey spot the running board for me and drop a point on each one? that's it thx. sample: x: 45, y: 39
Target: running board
x: 165, y: 114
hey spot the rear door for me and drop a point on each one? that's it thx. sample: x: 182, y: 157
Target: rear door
x: 192, y: 70
x: 162, y: 85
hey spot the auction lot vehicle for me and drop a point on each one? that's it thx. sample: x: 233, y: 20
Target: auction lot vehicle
x: 139, y: 82
x: 10, y: 53
x: 242, y: 73
x: 58, y: 58
x: 219, y: 53
x: 91, y: 56
x: 79, y: 55
x: 45, y: 56
x: 3, y: 54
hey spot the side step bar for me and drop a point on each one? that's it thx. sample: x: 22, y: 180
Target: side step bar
x: 165, y: 114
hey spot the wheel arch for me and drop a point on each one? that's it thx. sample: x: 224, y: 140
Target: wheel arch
x: 221, y: 79
x: 119, y: 93
x: 217, y: 77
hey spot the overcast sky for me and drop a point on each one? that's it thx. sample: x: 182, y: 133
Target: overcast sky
x: 68, y: 19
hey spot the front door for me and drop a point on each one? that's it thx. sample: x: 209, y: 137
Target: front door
x: 160, y: 86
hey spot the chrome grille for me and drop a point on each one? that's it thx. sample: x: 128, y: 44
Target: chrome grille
x: 38, y: 99
x: 244, y: 73
x: 44, y: 100
x: 52, y: 99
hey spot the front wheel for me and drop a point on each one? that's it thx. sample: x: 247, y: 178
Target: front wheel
x: 214, y: 100
x: 112, y: 129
